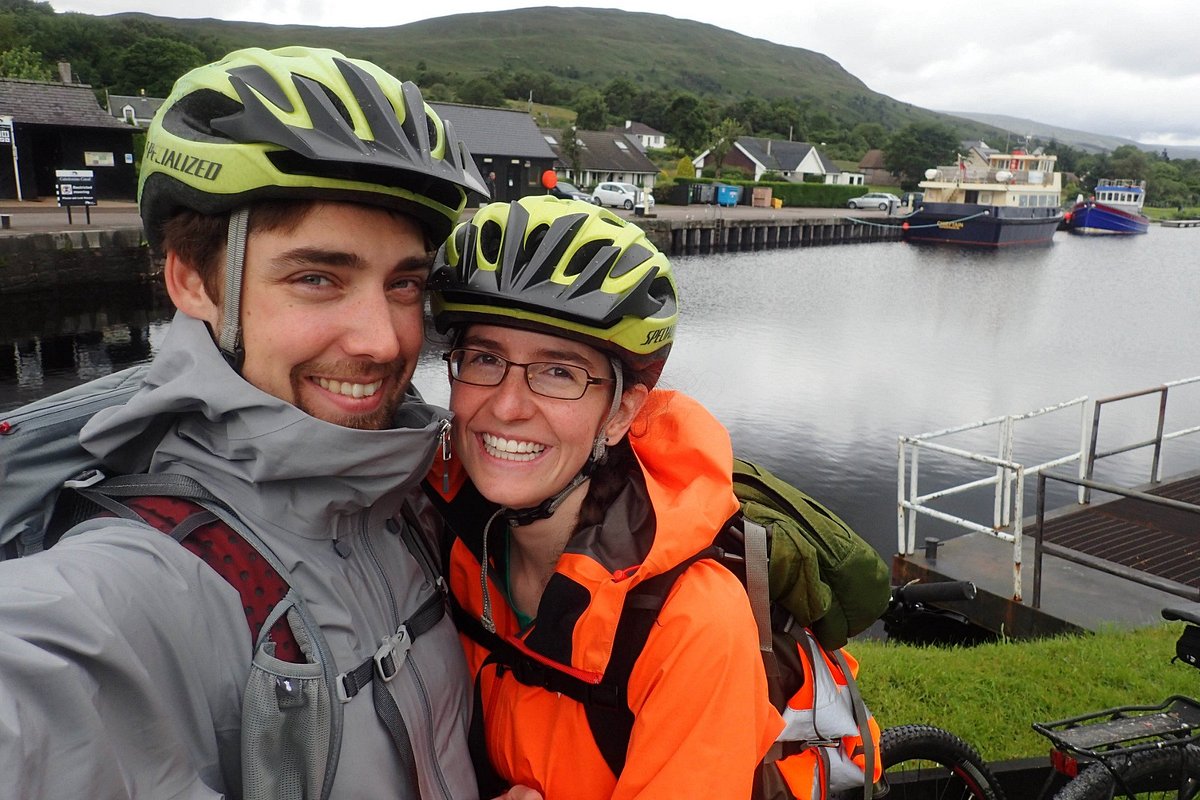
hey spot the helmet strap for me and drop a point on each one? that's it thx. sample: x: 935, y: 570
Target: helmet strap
x: 545, y: 509
x: 230, y: 340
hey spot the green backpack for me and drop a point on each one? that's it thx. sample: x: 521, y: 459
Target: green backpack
x: 830, y: 579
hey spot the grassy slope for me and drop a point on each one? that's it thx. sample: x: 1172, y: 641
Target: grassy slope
x: 991, y: 694
x: 649, y: 49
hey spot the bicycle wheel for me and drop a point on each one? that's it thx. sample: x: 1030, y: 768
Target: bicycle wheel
x: 1172, y: 773
x: 921, y: 762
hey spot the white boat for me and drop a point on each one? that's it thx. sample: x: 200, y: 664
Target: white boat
x: 989, y: 199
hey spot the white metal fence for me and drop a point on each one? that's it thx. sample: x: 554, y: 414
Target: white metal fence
x: 1009, y: 481
x: 1010, y: 475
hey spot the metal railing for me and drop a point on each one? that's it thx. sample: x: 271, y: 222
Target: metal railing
x: 1009, y: 481
x: 1156, y: 441
x: 1042, y: 547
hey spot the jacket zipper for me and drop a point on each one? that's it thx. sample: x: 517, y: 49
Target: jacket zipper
x: 410, y: 662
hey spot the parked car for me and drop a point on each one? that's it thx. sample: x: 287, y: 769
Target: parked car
x: 569, y: 191
x: 621, y: 195
x: 880, y: 200
x: 913, y: 199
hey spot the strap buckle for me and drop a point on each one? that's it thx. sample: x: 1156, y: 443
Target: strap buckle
x: 85, y: 479
x: 391, y: 654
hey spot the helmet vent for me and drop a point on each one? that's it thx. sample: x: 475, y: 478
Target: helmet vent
x: 662, y: 290
x: 433, y: 133
x: 490, y: 238
x: 191, y: 118
x: 585, y: 255
x: 535, y: 238
x: 338, y: 105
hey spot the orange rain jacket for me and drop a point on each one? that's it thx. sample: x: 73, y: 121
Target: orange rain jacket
x: 698, y: 692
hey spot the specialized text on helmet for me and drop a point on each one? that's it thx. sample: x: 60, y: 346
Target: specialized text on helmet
x: 181, y: 162
x: 661, y: 335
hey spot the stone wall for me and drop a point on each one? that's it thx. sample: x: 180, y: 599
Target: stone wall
x: 39, y: 261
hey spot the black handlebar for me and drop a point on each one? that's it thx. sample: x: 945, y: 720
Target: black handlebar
x: 939, y: 590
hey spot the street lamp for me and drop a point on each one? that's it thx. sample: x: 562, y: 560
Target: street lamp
x: 6, y: 124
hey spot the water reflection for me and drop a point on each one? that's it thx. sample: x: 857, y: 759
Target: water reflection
x: 50, y: 341
x: 817, y: 359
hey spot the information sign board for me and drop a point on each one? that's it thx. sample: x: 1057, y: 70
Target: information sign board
x: 75, y: 187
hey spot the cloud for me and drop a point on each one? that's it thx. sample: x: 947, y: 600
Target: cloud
x: 1103, y: 66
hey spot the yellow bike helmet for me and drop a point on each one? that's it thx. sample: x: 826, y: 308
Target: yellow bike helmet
x: 297, y: 123
x: 563, y: 267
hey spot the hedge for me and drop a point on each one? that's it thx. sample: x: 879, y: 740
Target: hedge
x: 800, y: 195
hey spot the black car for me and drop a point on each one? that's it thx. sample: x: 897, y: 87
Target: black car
x: 569, y: 191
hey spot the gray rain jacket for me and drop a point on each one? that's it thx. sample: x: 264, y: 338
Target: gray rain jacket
x: 123, y: 657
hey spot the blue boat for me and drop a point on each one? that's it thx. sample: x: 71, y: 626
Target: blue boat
x: 1114, y: 209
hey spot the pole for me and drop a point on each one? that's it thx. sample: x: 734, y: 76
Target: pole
x: 7, y: 121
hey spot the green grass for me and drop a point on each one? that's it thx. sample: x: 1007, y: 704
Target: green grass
x: 1172, y: 213
x: 990, y: 694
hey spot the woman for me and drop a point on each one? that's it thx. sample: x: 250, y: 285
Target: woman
x: 581, y: 484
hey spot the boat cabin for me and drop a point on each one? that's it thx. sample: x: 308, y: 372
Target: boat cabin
x: 1017, y: 179
x: 1123, y: 194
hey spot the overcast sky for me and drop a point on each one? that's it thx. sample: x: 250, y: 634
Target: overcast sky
x: 1127, y: 68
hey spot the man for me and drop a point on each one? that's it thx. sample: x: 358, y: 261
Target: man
x: 491, y: 184
x: 297, y: 196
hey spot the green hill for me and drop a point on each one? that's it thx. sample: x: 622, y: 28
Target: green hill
x: 651, y: 50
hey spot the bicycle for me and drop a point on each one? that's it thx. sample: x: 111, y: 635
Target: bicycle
x: 923, y: 761
x: 1150, y: 751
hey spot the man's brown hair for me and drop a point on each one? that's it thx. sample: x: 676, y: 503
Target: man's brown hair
x: 199, y: 239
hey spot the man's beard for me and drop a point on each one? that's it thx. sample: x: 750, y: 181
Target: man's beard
x: 394, y: 375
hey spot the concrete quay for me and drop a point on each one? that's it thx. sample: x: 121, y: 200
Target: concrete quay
x: 40, y: 249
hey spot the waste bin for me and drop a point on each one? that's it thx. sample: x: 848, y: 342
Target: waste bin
x: 728, y: 195
x: 679, y: 195
x: 776, y: 202
x: 760, y: 197
x: 703, y: 193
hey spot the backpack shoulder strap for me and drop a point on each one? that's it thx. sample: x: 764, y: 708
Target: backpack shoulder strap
x: 171, y: 504
x: 606, y: 703
x: 612, y: 721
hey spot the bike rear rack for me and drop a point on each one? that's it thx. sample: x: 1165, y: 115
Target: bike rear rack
x: 1126, y: 729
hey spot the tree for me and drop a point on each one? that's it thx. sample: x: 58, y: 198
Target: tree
x: 918, y: 146
x: 721, y: 142
x: 687, y: 122
x: 1129, y: 162
x: 620, y: 95
x: 872, y: 134
x: 685, y: 168
x: 24, y: 62
x: 481, y: 92
x: 591, y: 112
x: 154, y: 63
x: 571, y: 152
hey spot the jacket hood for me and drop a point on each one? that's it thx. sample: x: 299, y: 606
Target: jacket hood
x: 687, y: 462
x: 273, y: 463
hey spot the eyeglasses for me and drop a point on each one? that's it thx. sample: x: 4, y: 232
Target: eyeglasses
x: 547, y: 378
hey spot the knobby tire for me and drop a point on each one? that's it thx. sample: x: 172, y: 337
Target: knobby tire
x: 921, y: 761
x: 1097, y: 782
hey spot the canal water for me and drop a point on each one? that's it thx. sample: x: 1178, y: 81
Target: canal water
x: 817, y: 359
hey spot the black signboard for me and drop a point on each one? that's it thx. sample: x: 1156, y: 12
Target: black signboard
x: 75, y: 187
